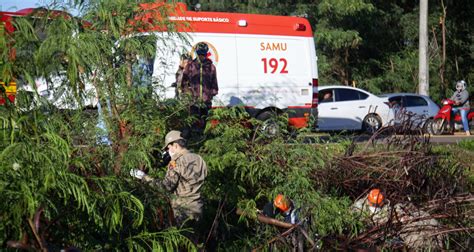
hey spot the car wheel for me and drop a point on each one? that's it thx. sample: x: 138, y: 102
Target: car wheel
x: 371, y: 123
x: 269, y: 127
x: 437, y: 126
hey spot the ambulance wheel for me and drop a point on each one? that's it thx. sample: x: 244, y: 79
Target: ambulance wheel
x: 269, y: 127
x: 371, y: 123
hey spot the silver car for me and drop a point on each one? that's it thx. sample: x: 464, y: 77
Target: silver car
x: 420, y: 105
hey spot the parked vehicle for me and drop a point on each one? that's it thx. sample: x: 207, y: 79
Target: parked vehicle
x: 420, y: 108
x: 415, y: 103
x: 446, y: 121
x: 348, y: 108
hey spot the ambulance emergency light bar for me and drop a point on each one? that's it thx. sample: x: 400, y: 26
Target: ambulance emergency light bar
x: 242, y: 23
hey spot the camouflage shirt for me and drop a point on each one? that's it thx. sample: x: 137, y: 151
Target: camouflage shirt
x: 184, y: 178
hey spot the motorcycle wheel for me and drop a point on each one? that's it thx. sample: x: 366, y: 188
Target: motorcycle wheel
x: 437, y: 126
x: 427, y: 126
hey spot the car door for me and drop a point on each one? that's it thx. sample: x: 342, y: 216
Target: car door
x: 396, y: 103
x: 349, y: 109
x: 326, y: 121
x: 416, y: 104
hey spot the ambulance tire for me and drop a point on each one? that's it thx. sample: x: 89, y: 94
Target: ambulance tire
x: 269, y: 127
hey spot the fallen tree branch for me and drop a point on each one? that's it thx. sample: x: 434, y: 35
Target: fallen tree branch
x: 267, y: 220
x: 287, y: 232
x: 453, y: 230
x: 37, y: 238
x: 214, y: 223
x: 305, y: 234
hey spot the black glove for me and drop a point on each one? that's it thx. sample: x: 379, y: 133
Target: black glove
x: 165, y: 158
x: 161, y: 158
x: 269, y: 210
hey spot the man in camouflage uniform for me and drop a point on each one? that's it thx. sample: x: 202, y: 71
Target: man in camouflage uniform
x: 184, y: 178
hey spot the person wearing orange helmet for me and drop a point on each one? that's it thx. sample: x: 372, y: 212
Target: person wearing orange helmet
x: 375, y: 198
x: 417, y: 225
x: 374, y: 202
x: 284, y: 206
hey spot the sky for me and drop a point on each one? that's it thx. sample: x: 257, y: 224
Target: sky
x: 14, y: 5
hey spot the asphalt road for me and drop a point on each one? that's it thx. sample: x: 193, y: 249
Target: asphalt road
x: 450, y: 139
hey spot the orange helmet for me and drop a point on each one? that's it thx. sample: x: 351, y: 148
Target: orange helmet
x: 281, y: 202
x: 375, y: 198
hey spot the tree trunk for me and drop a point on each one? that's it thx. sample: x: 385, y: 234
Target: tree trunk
x: 423, y: 77
x: 442, y: 69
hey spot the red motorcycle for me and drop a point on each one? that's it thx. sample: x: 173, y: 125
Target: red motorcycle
x: 446, y: 121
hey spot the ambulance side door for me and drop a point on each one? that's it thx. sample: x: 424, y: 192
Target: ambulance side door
x: 274, y: 71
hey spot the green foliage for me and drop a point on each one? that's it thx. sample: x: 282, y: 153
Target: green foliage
x: 249, y: 171
x: 160, y: 241
x: 344, y: 7
x: 58, y: 182
x: 467, y: 144
x: 46, y: 179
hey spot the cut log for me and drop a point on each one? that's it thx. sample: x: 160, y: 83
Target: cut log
x: 267, y: 220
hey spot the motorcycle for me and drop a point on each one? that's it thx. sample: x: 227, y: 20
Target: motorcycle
x: 446, y: 121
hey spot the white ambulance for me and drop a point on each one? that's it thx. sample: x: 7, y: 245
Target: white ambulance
x: 264, y: 63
